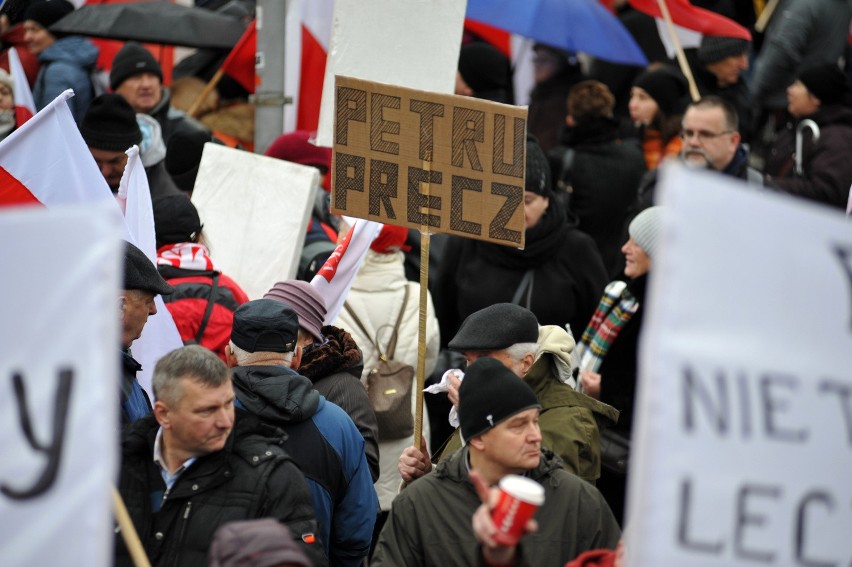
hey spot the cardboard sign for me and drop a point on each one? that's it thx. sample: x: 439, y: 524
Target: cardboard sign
x: 255, y: 210
x: 412, y: 158
x: 59, y: 383
x: 742, y: 448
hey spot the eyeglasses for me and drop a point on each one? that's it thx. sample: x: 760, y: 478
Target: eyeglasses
x: 702, y: 135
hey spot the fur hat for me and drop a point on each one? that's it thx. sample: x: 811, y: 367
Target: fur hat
x: 175, y: 220
x: 489, y: 394
x: 132, y: 59
x: 47, y: 12
x: 645, y: 229
x: 264, y: 325
x: 496, y: 327
x: 140, y: 273
x: 715, y: 48
x: 826, y: 82
x: 666, y: 86
x: 110, y: 124
x: 306, y: 300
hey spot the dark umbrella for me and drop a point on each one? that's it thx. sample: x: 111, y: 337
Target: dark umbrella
x: 153, y: 22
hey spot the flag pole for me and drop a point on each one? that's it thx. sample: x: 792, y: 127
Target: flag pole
x: 766, y: 15
x: 681, y: 57
x: 424, y: 290
x: 128, y: 532
x: 208, y: 88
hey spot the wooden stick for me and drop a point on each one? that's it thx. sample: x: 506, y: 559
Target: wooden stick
x: 128, y: 532
x: 766, y: 15
x: 208, y: 88
x: 681, y: 57
x: 421, y: 332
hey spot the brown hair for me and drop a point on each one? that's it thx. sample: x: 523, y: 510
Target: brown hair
x: 588, y: 99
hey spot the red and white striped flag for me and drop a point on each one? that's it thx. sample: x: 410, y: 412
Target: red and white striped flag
x: 335, y: 278
x: 23, y: 96
x: 46, y: 162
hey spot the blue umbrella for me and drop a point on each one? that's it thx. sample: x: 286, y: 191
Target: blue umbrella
x: 575, y: 25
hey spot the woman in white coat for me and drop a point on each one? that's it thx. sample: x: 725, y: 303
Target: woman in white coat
x: 376, y: 299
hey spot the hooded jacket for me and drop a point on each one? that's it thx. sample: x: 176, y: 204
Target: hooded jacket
x: 66, y: 64
x: 328, y: 448
x: 429, y: 523
x: 251, y: 477
x: 335, y: 368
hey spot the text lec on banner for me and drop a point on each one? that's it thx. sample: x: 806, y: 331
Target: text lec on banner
x: 413, y: 158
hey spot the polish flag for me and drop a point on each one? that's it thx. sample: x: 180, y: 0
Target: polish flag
x: 335, y: 278
x: 46, y: 161
x: 309, y: 35
x: 688, y: 16
x: 24, y: 102
x: 240, y: 63
x: 160, y: 335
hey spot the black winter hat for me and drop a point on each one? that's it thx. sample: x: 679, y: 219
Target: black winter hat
x: 496, y: 327
x: 714, y: 48
x: 826, y: 82
x: 132, y: 59
x: 47, y: 12
x: 265, y: 325
x: 140, y: 273
x: 537, y: 179
x: 666, y: 86
x: 110, y: 124
x: 486, y: 71
x: 183, y: 156
x: 175, y: 220
x: 489, y: 394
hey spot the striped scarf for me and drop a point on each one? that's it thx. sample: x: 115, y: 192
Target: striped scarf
x: 185, y: 255
x: 615, y: 309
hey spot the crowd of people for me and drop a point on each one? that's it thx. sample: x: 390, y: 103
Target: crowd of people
x: 262, y: 444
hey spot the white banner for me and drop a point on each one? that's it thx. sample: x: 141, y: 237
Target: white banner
x: 255, y: 210
x: 59, y: 383
x: 408, y: 43
x: 742, y: 445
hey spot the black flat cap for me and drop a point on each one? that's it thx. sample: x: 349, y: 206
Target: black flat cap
x: 140, y: 273
x: 496, y: 327
x: 264, y: 325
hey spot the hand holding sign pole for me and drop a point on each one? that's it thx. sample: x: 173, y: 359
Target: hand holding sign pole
x: 432, y: 162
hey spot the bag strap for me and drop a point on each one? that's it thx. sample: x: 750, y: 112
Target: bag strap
x: 395, y: 333
x: 211, y: 300
x: 525, y: 286
x: 360, y: 325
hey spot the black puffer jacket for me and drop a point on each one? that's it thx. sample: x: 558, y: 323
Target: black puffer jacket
x: 252, y: 477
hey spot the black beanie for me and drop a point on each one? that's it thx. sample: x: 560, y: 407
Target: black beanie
x: 486, y: 71
x: 175, y: 220
x: 826, y: 82
x: 666, y: 87
x: 538, y: 170
x: 714, y: 48
x: 489, y: 394
x: 183, y: 156
x: 131, y: 60
x: 110, y: 124
x: 47, y: 12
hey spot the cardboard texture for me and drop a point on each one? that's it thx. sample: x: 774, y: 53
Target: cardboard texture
x: 411, y: 158
x: 255, y: 211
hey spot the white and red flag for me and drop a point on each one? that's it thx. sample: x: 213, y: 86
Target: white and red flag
x: 335, y: 278
x: 23, y: 96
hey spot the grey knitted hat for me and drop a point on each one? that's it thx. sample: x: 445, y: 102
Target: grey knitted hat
x: 645, y: 229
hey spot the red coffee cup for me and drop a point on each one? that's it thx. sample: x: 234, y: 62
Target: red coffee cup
x: 519, y: 499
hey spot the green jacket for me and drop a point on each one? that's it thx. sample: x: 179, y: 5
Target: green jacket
x: 570, y: 420
x: 430, y: 521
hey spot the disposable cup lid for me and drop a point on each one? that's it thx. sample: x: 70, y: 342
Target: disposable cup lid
x: 523, y: 489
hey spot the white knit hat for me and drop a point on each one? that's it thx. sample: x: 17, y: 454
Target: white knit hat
x: 645, y: 229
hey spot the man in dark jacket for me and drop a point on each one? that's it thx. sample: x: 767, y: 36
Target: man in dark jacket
x: 723, y: 61
x: 818, y: 95
x: 499, y: 421
x: 322, y: 439
x: 194, y: 466
x: 142, y: 283
x: 138, y: 77
x: 332, y: 361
